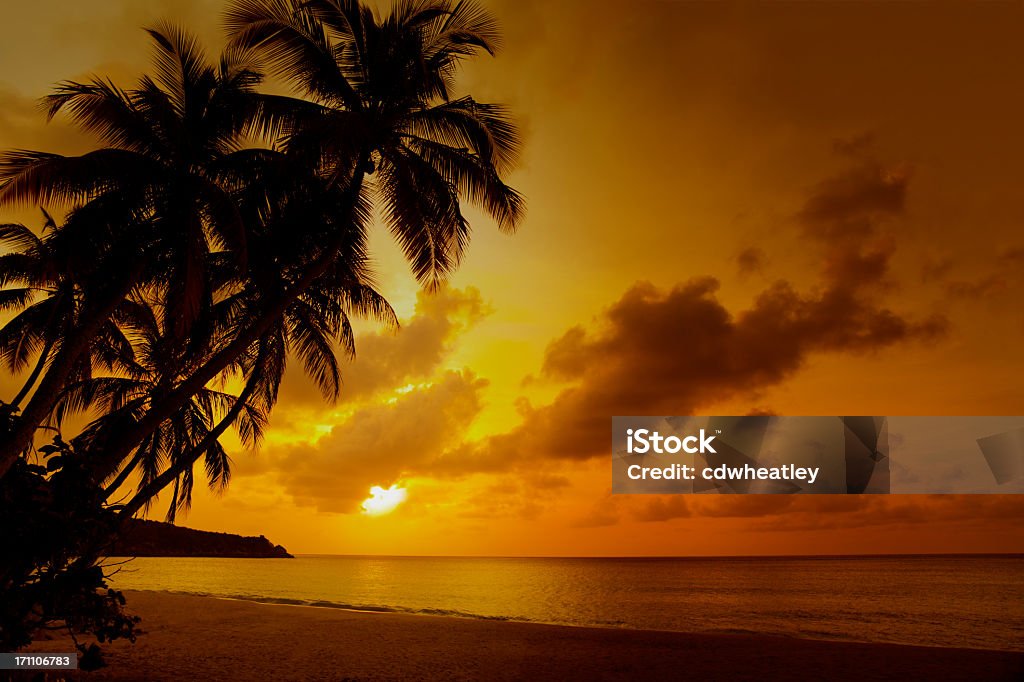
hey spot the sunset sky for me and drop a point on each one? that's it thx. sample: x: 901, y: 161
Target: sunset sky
x: 793, y: 208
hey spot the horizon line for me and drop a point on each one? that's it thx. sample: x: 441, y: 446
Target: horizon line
x: 880, y: 555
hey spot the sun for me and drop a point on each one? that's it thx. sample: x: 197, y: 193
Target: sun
x: 383, y: 500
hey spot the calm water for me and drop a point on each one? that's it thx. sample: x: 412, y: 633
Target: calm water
x: 942, y: 601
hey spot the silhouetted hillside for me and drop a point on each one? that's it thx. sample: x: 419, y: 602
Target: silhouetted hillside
x: 153, y: 538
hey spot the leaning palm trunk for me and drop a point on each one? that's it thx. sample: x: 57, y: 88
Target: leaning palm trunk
x: 26, y: 388
x: 96, y: 550
x: 153, y: 488
x: 46, y: 394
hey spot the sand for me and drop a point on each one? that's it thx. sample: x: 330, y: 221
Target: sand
x: 202, y: 638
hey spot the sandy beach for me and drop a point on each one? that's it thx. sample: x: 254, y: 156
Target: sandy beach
x: 203, y: 638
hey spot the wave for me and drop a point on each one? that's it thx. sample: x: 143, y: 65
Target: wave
x: 359, y: 608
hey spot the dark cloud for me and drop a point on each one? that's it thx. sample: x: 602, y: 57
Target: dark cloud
x: 1013, y: 255
x: 936, y: 269
x: 663, y: 509
x: 853, y: 203
x: 979, y: 288
x: 1002, y: 270
x: 722, y: 506
x: 750, y: 261
x: 859, y: 511
x: 855, y: 146
x: 675, y: 351
x: 605, y: 512
x: 510, y: 498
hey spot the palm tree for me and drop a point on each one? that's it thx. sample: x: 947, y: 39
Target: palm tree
x: 44, y: 277
x: 197, y: 258
x: 44, y: 296
x: 158, y: 194
x: 256, y: 398
x: 377, y: 104
x: 311, y: 328
x: 308, y: 326
x: 145, y: 367
x: 378, y: 100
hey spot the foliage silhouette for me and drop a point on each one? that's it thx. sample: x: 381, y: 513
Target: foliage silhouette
x: 51, y: 517
x: 217, y: 233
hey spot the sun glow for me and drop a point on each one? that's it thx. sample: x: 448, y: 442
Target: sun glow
x: 383, y: 500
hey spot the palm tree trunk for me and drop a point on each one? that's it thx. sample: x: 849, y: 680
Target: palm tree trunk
x: 153, y: 488
x: 92, y: 553
x: 34, y: 376
x: 44, y: 355
x: 121, y: 478
x: 45, y: 396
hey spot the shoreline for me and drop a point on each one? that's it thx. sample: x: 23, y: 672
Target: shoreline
x: 442, y: 613
x: 202, y: 637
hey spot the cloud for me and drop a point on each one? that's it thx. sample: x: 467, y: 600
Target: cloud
x: 673, y: 352
x: 984, y: 287
x: 380, y: 444
x: 653, y: 351
x: 605, y: 512
x: 722, y: 506
x: 751, y: 260
x: 400, y: 410
x: 853, y: 203
x: 1013, y: 255
x: 1001, y: 272
x: 389, y: 360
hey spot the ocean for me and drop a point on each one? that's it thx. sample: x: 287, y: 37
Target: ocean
x: 961, y: 601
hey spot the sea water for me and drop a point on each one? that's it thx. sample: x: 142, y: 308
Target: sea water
x: 961, y: 601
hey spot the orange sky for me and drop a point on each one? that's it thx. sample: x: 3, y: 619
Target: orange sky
x: 800, y: 208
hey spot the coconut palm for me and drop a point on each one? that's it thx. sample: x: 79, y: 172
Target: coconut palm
x: 43, y: 277
x: 199, y: 259
x: 43, y: 296
x: 308, y: 326
x: 311, y: 329
x: 377, y: 104
x: 145, y: 368
x: 378, y: 99
x: 158, y: 194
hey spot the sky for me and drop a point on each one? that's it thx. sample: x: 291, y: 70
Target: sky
x: 788, y: 208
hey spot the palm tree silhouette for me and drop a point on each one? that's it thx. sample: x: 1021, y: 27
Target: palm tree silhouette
x: 217, y: 233
x: 377, y: 106
x: 49, y: 274
x: 45, y: 300
x: 159, y: 193
x: 378, y: 101
x: 255, y: 251
x: 310, y: 328
x: 142, y: 371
